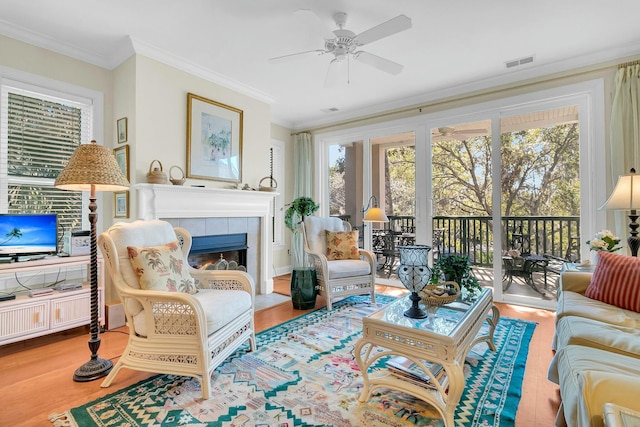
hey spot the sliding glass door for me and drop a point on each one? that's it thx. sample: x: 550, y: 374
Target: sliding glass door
x: 508, y: 184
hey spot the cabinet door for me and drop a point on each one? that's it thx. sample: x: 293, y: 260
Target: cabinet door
x: 70, y: 311
x: 24, y: 319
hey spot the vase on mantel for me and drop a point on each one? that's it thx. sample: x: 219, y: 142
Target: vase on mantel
x: 414, y: 273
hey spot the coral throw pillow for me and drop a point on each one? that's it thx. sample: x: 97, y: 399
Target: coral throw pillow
x: 616, y: 281
x: 342, y: 245
x: 162, y: 268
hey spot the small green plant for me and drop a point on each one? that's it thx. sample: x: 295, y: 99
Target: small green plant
x: 298, y: 209
x: 456, y: 268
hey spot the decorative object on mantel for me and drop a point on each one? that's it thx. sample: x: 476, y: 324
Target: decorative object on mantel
x: 156, y: 175
x: 92, y: 167
x: 271, y: 179
x: 214, y: 140
x: 176, y: 181
x: 273, y: 183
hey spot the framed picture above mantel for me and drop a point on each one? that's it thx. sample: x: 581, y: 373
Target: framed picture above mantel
x: 214, y: 140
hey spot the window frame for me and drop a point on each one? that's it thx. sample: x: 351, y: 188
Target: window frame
x: 41, y: 87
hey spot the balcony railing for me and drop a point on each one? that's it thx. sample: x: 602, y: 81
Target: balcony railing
x: 557, y: 236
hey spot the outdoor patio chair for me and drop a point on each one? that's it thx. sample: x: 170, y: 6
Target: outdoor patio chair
x: 186, y: 324
x: 338, y: 278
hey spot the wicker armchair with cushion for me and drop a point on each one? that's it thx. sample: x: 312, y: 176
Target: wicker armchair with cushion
x: 182, y: 321
x: 342, y: 268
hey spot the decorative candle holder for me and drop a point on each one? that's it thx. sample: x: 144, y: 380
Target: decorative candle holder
x: 414, y: 273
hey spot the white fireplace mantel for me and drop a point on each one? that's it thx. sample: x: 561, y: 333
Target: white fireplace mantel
x: 157, y: 201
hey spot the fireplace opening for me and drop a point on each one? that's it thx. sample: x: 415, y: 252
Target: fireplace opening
x: 219, y: 252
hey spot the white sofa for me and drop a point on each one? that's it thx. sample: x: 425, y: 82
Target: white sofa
x: 597, y: 357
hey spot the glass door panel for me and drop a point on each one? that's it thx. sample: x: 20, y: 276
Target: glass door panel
x: 393, y: 171
x: 345, y: 183
x: 540, y: 202
x: 462, y: 185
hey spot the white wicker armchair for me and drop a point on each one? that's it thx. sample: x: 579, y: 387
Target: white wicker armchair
x: 175, y: 332
x: 338, y: 278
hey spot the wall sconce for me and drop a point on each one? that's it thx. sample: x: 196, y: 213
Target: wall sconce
x: 373, y: 213
x: 626, y: 197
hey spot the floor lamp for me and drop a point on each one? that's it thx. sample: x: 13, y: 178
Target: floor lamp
x: 626, y: 197
x: 92, y: 167
x: 373, y: 213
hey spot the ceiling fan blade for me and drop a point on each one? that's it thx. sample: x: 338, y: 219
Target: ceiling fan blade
x: 278, y: 59
x: 335, y: 73
x: 390, y: 27
x: 378, y: 62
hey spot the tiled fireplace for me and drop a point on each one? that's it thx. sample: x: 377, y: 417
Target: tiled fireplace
x: 216, y: 212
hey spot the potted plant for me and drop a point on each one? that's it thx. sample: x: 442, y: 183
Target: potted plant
x: 456, y: 268
x: 303, y: 278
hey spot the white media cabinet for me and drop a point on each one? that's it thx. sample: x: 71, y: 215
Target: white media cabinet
x: 26, y: 317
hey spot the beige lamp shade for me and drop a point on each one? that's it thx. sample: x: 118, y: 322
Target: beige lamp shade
x: 92, y: 165
x: 375, y: 214
x: 626, y: 194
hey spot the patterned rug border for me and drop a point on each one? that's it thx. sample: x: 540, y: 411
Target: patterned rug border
x: 464, y: 415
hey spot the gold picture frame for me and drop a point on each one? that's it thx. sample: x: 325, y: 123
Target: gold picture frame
x: 121, y: 204
x: 122, y: 159
x: 214, y: 140
x: 122, y: 130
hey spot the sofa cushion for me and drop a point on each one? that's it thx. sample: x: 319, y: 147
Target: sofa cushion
x: 162, y: 268
x: 342, y: 245
x: 219, y: 306
x: 575, y: 304
x: 616, y: 280
x: 588, y: 378
x: 596, y: 334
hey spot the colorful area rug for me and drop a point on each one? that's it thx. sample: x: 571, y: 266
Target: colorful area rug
x: 304, y: 374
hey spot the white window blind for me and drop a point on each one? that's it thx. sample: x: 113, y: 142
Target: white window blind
x: 39, y: 133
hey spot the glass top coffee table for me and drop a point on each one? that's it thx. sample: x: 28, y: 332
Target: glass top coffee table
x: 443, y: 338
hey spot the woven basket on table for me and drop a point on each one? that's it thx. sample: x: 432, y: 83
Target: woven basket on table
x: 429, y: 294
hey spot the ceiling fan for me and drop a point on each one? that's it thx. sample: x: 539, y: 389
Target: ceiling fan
x: 344, y: 44
x: 449, y: 132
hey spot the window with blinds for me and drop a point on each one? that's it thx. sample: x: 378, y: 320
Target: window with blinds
x: 39, y: 134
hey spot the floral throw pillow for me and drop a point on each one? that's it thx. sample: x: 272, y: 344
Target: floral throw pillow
x: 162, y: 268
x: 616, y: 281
x: 342, y: 245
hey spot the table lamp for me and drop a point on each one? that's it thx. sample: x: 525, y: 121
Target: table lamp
x: 626, y: 197
x: 92, y: 167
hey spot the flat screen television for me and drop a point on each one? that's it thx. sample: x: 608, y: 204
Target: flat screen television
x: 28, y: 234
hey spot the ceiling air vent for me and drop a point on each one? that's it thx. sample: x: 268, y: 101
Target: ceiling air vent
x: 520, y: 61
x: 330, y: 110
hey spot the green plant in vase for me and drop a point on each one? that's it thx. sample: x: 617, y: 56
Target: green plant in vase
x: 293, y: 217
x: 456, y: 268
x: 303, y: 279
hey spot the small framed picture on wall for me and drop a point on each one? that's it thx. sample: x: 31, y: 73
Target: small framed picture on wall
x: 122, y: 158
x: 121, y: 204
x: 122, y: 130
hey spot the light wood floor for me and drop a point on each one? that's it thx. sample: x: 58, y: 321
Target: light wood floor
x: 36, y: 375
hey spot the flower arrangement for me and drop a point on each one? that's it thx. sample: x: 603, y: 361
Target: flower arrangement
x: 604, y: 240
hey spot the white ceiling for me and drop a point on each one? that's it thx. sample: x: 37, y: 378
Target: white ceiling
x: 454, y: 46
